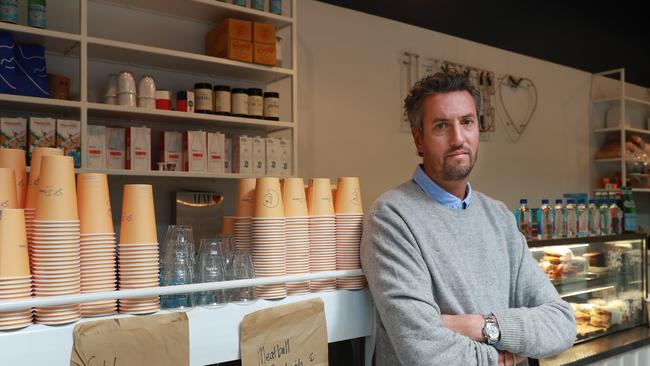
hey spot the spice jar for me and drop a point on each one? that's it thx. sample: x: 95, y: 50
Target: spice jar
x: 203, y: 97
x: 272, y: 106
x: 255, y: 103
x: 239, y: 102
x: 221, y: 96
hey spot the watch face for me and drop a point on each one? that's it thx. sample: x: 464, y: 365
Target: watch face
x: 492, y: 331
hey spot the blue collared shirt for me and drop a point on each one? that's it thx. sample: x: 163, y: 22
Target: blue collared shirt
x: 438, y: 193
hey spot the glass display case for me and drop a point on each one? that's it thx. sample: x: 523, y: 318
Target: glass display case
x: 603, y: 278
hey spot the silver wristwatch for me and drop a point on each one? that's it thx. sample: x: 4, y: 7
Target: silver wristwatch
x: 491, y: 330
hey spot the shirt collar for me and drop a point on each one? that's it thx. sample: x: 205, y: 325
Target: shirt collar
x: 437, y: 193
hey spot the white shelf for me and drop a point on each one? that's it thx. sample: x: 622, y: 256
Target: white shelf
x: 148, y: 56
x: 638, y: 190
x: 213, y: 333
x: 203, y: 10
x: 35, y: 104
x: 169, y: 174
x: 627, y: 99
x: 100, y: 110
x: 619, y: 129
x: 54, y: 41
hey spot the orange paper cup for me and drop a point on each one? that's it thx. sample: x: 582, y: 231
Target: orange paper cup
x: 227, y: 225
x: 14, y: 257
x: 138, y: 215
x: 268, y: 198
x: 294, y: 200
x: 8, y: 197
x: 245, y: 205
x: 348, y: 196
x: 94, y: 204
x: 15, y: 159
x: 34, y: 173
x: 321, y: 197
x: 57, y: 195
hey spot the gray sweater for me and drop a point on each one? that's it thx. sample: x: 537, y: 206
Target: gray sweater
x: 423, y: 260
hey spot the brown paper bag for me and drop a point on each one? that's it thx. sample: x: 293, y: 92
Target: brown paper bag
x: 161, y: 340
x: 287, y: 335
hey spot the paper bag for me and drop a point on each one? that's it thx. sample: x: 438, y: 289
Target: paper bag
x: 288, y: 335
x: 161, y: 340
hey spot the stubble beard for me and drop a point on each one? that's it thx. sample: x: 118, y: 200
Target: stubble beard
x: 460, y: 171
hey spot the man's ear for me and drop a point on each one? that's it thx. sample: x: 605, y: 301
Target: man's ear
x: 417, y: 140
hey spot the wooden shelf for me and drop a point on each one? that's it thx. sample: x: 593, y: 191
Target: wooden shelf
x: 53, y: 41
x: 35, y: 104
x: 178, y: 61
x: 100, y: 110
x: 203, y: 10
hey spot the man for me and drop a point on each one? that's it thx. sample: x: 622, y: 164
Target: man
x: 451, y: 276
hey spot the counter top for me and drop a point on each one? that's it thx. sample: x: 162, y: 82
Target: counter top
x: 601, y: 348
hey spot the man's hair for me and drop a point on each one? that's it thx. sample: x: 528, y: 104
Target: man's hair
x: 441, y: 82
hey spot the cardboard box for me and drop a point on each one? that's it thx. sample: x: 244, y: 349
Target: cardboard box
x: 138, y: 148
x: 227, y: 161
x: 171, y: 148
x: 115, y: 148
x: 272, y: 156
x: 68, y: 138
x: 265, y: 54
x: 242, y: 155
x: 264, y: 33
x: 232, y: 39
x: 216, y: 152
x: 285, y: 156
x: 194, y: 151
x: 41, y: 133
x: 259, y: 155
x: 96, y: 153
x: 13, y: 133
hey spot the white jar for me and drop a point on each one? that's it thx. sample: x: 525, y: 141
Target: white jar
x: 255, y: 103
x: 272, y: 106
x: 239, y: 102
x: 222, y: 96
x: 203, y: 98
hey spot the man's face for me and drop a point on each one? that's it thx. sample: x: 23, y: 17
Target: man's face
x: 450, y: 135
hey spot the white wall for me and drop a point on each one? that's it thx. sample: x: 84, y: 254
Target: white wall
x: 350, y: 108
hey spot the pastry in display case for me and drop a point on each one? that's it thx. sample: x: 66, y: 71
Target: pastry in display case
x: 602, y: 278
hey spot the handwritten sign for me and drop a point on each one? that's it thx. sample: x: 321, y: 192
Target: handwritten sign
x: 161, y: 340
x: 287, y: 335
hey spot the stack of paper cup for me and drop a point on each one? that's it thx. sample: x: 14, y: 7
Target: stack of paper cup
x: 297, y: 222
x: 244, y: 209
x: 322, y: 233
x: 98, y: 244
x: 8, y: 189
x: 269, y: 247
x: 15, y: 159
x: 32, y: 186
x: 227, y: 225
x: 15, y: 278
x: 349, y: 222
x: 138, y: 249
x: 55, y: 257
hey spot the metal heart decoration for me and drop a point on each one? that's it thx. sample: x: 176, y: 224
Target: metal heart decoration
x: 516, y: 127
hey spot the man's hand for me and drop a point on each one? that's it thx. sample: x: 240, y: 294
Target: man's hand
x: 469, y: 325
x: 508, y: 359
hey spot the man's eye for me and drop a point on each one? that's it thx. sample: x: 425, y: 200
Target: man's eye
x: 468, y: 121
x: 440, y: 126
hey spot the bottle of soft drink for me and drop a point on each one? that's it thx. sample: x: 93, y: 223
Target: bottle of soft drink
x: 630, y: 223
x: 594, y: 216
x: 571, y: 219
x: 616, y: 214
x: 583, y: 219
x: 545, y: 220
x: 524, y: 218
x: 605, y: 217
x: 559, y: 222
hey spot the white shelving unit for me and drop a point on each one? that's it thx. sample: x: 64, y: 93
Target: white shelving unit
x: 612, y: 84
x: 81, y: 50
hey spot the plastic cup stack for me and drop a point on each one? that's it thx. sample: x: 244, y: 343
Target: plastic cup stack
x: 322, y: 233
x: 349, y: 224
x: 244, y: 209
x: 32, y: 186
x: 98, y: 244
x: 55, y: 242
x: 15, y: 159
x: 297, y: 223
x: 15, y: 278
x: 138, y: 258
x: 269, y: 246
